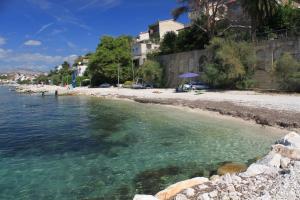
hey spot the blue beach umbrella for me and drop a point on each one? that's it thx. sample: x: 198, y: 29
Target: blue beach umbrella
x: 188, y: 75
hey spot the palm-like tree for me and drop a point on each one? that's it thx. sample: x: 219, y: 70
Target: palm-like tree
x: 259, y: 11
x: 207, y: 10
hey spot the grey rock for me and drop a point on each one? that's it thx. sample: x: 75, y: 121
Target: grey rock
x: 272, y: 160
x: 189, y: 192
x: 213, y: 194
x: 292, y: 139
x: 231, y: 188
x: 204, y: 196
x: 284, y: 162
x: 180, y: 197
x: 214, y: 178
x: 256, y: 169
x: 202, y: 187
x: 227, y: 179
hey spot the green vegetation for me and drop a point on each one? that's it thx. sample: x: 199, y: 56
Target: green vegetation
x: 82, y: 81
x: 112, y: 57
x: 188, y: 39
x: 42, y: 79
x: 128, y: 84
x: 232, y: 65
x: 151, y: 72
x: 2, y: 77
x: 57, y: 76
x: 287, y: 71
x: 24, y: 82
x: 286, y: 17
x: 260, y: 11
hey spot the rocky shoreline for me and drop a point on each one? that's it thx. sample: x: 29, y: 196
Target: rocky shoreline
x: 262, y: 116
x: 288, y: 119
x: 276, y: 176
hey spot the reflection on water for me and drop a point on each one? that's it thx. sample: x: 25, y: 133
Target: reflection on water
x: 86, y: 148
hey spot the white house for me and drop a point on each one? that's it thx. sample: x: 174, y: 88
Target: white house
x: 158, y: 30
x: 81, y: 68
x: 148, y: 42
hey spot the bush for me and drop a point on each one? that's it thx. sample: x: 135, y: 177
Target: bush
x: 151, y: 72
x: 82, y: 81
x: 232, y: 65
x: 287, y: 71
x: 127, y: 84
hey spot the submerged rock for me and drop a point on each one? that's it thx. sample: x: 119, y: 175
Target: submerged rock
x: 232, y: 168
x: 275, y: 176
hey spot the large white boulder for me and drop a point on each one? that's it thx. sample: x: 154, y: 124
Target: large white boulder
x: 256, y: 169
x: 292, y: 139
x: 271, y: 160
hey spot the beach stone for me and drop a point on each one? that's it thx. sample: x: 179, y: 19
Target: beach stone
x: 204, y: 196
x: 214, y: 178
x: 213, y: 194
x: 272, y: 160
x: 202, y: 187
x: 231, y: 168
x: 144, y: 197
x: 180, y: 197
x: 231, y: 188
x: 289, y: 152
x: 256, y: 169
x: 284, y: 162
x: 189, y: 192
x: 227, y: 179
x: 176, y: 188
x: 236, y: 179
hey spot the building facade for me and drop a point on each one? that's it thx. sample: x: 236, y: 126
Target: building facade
x: 158, y: 30
x: 148, y: 42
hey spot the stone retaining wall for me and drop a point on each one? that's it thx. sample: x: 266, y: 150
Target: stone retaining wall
x: 267, y: 53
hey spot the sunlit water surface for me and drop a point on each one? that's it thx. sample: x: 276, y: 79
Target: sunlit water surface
x: 70, y: 148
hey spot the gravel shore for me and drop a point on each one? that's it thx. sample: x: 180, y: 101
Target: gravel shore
x: 281, y: 110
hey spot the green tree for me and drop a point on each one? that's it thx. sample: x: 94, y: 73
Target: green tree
x: 42, y: 79
x: 260, y: 11
x: 211, y: 13
x: 287, y: 71
x: 232, y: 64
x: 191, y: 39
x: 168, y: 44
x: 286, y: 17
x: 112, y: 55
x: 151, y: 72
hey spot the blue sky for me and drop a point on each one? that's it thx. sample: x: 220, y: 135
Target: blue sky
x: 39, y: 34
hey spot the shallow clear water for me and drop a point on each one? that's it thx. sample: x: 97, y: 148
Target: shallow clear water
x: 86, y: 148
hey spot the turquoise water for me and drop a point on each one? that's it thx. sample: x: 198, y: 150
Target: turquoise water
x: 91, y: 149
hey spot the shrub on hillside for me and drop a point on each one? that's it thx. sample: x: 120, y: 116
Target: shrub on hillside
x: 287, y: 72
x: 232, y: 65
x: 151, y: 72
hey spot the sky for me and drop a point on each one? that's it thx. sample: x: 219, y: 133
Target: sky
x: 40, y: 34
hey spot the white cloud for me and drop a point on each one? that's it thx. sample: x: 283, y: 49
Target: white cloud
x: 104, y: 4
x: 33, y: 43
x: 44, y: 27
x: 71, y: 45
x: 60, y: 12
x: 11, y: 59
x: 2, y: 41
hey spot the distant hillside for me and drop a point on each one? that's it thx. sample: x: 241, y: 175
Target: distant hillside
x: 25, y: 71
